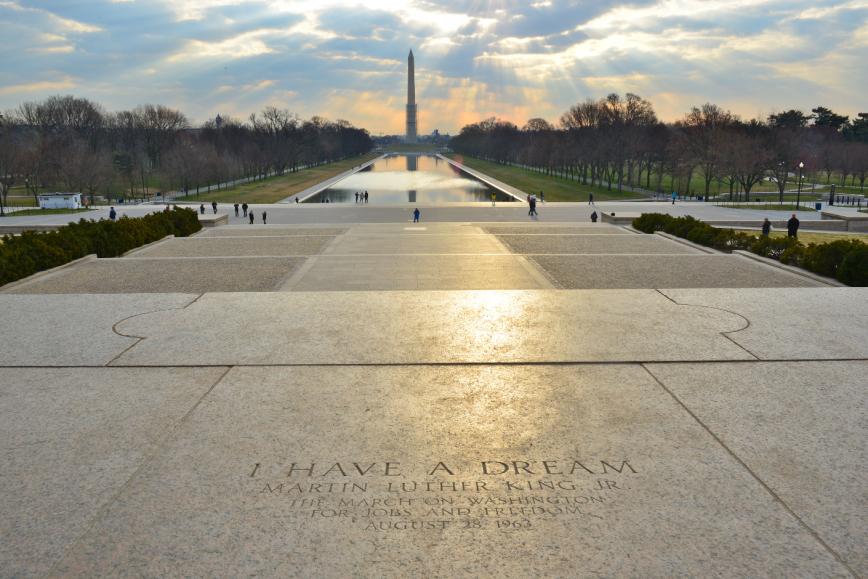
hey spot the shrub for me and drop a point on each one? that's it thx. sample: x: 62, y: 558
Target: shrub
x: 854, y: 267
x: 845, y: 259
x: 793, y: 255
x: 681, y: 226
x: 824, y: 259
x: 651, y: 222
x: 772, y: 247
x: 31, y: 252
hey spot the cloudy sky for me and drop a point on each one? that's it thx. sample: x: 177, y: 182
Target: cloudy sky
x: 474, y: 58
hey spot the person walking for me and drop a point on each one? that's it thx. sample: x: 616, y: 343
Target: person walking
x: 236, y: 210
x: 542, y: 197
x: 533, y: 212
x: 793, y: 227
x: 244, y: 209
x: 357, y: 196
x: 264, y: 216
x: 416, y: 214
x: 767, y: 227
x: 493, y: 198
x: 202, y: 209
x: 366, y: 196
x: 113, y: 214
x: 214, y: 207
x: 590, y: 198
x: 251, y: 217
x: 674, y: 197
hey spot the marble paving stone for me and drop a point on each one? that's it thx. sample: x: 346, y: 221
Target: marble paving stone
x: 540, y: 229
x: 143, y: 275
x: 269, y: 231
x: 408, y: 272
x: 804, y: 323
x: 664, y: 271
x: 72, y: 330
x: 70, y: 439
x: 415, y: 243
x: 237, y: 247
x: 432, y: 326
x: 397, y: 488
x: 801, y: 427
x: 595, y: 244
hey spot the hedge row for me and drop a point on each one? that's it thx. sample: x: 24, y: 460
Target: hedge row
x: 31, y: 252
x: 846, y: 260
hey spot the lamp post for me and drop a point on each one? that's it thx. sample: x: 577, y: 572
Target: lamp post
x: 799, y: 190
x: 782, y: 170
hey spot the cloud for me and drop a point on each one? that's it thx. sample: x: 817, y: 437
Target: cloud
x: 514, y: 60
x: 65, y: 83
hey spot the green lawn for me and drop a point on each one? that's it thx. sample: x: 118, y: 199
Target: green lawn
x: 45, y: 212
x: 765, y: 206
x: 20, y: 201
x: 816, y: 237
x: 555, y: 188
x: 274, y: 189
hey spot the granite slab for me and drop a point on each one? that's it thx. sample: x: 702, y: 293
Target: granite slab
x: 595, y: 244
x: 444, y: 472
x: 166, y: 275
x: 432, y: 327
x: 698, y: 270
x: 423, y: 272
x: 269, y: 231
x: 560, y: 229
x: 801, y: 427
x: 237, y: 246
x: 72, y: 330
x: 411, y: 243
x: 70, y: 439
x: 795, y: 324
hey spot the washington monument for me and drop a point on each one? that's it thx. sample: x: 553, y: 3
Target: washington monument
x: 411, y: 100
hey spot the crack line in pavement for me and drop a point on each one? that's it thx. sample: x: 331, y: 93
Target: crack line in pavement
x: 138, y: 339
x: 724, y: 334
x: 157, y: 447
x: 755, y: 476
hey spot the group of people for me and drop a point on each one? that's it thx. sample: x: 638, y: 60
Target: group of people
x: 361, y: 196
x: 792, y: 227
x: 246, y: 211
x: 213, y: 206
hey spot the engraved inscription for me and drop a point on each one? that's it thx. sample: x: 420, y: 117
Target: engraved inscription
x: 394, y: 496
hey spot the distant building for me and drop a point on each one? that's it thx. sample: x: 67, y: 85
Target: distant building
x: 411, y: 133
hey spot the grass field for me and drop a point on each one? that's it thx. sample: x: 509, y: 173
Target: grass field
x: 765, y: 206
x: 45, y: 212
x: 275, y: 189
x: 555, y: 188
x: 816, y: 237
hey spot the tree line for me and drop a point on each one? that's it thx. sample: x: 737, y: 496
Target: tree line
x: 72, y: 144
x: 618, y: 142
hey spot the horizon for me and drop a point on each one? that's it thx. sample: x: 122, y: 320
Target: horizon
x: 343, y: 60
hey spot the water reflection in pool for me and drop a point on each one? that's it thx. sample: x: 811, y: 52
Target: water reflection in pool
x: 409, y: 179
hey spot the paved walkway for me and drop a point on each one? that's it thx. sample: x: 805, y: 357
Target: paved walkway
x: 442, y: 399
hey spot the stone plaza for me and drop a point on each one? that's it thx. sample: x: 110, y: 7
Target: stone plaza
x: 345, y: 393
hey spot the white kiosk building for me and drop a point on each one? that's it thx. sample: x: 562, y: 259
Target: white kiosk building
x: 60, y: 201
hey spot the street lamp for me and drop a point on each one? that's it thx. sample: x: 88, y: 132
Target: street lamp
x: 799, y: 190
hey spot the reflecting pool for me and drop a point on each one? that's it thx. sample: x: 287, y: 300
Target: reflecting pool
x: 410, y: 179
